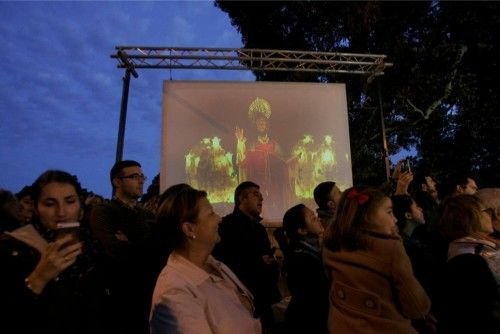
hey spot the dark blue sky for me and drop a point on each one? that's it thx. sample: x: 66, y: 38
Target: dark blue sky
x: 60, y: 92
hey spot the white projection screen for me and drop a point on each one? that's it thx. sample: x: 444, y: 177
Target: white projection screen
x: 286, y: 137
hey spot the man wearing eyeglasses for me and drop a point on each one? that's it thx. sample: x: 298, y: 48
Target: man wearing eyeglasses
x: 491, y: 200
x: 122, y: 227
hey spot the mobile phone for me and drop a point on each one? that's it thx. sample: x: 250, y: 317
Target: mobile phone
x: 406, y: 166
x: 63, y: 229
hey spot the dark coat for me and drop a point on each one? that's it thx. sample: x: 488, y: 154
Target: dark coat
x: 426, y: 265
x: 69, y: 304
x: 307, y: 311
x: 469, y: 299
x: 243, y: 243
x: 125, y: 265
x: 374, y: 290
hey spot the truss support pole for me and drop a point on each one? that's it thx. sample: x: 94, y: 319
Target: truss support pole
x: 123, y: 116
x: 384, y: 136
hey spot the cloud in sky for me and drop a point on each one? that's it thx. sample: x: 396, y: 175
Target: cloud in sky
x: 60, y: 91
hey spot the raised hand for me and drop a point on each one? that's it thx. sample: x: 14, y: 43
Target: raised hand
x: 240, y: 134
x: 397, y: 170
x: 403, y: 183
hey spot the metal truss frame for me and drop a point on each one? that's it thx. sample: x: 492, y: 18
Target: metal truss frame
x: 249, y: 59
x: 135, y: 57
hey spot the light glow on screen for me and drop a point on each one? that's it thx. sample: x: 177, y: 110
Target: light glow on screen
x: 286, y: 137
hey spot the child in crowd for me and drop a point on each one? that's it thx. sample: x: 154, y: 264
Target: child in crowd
x: 305, y: 274
x: 373, y: 286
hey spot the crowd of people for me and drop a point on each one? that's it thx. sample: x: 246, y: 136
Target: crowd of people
x: 408, y: 256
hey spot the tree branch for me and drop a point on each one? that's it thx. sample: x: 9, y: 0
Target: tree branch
x: 415, y: 108
x: 447, y: 90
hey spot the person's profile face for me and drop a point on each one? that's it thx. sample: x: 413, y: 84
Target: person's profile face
x: 417, y: 213
x: 429, y: 185
x: 490, y: 198
x: 131, y: 186
x: 207, y: 223
x: 486, y: 216
x: 471, y: 187
x: 251, y: 203
x: 335, y: 195
x: 383, y: 219
x: 313, y: 225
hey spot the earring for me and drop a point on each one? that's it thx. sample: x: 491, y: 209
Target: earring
x: 192, y: 236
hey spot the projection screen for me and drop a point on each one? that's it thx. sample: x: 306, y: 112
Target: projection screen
x: 286, y: 137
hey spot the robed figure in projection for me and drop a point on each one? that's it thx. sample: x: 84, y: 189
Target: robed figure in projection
x: 262, y: 161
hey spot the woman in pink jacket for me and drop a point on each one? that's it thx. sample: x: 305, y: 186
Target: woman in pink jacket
x: 195, y: 293
x: 373, y: 288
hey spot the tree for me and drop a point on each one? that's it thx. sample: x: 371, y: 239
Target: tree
x: 440, y: 95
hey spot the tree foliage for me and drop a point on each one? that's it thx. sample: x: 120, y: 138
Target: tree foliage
x: 440, y: 97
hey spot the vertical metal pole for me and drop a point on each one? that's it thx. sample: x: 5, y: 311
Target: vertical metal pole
x: 384, y: 138
x: 123, y: 116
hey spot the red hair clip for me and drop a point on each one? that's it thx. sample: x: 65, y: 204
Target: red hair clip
x: 361, y: 198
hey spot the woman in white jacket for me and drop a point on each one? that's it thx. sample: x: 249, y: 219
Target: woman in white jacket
x: 195, y: 293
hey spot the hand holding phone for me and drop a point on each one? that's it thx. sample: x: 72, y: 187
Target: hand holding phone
x: 406, y: 166
x: 57, y: 256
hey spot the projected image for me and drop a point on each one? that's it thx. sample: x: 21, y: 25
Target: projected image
x: 210, y: 167
x: 263, y: 160
x: 216, y: 135
x: 312, y: 163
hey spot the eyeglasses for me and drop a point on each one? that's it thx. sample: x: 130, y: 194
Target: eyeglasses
x: 135, y: 177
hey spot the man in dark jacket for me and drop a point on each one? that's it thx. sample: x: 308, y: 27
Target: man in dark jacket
x: 246, y: 249
x: 122, y: 228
